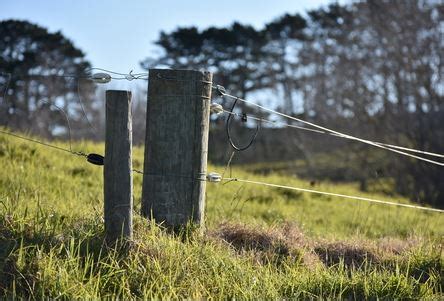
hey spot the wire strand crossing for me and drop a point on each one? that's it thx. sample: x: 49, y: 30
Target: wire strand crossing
x: 328, y: 133
x: 339, y: 134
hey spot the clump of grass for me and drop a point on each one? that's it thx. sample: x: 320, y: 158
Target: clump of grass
x: 349, y: 255
x: 270, y: 245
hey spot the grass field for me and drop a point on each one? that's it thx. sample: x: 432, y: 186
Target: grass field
x: 260, y: 242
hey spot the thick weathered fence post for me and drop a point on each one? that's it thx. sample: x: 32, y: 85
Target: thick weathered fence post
x: 118, y: 179
x: 176, y: 146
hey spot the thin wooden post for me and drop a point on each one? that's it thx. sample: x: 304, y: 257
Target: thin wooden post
x: 176, y: 146
x: 118, y: 179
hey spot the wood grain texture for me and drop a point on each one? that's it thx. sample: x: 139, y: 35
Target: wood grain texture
x: 118, y: 179
x: 176, y: 146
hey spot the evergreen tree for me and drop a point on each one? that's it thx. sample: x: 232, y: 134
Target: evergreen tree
x: 39, y: 71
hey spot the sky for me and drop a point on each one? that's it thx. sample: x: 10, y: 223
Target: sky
x: 117, y: 35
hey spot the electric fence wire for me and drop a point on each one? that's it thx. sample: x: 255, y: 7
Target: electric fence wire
x: 68, y: 150
x: 201, y: 177
x: 87, y: 75
x: 323, y: 130
x: 228, y: 180
x: 122, y: 76
x: 79, y: 97
x: 332, y: 194
x: 228, y: 165
x: 283, y: 124
x: 389, y: 147
x: 92, y: 158
x: 328, y: 132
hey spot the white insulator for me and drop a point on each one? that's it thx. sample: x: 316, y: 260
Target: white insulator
x: 101, y: 78
x: 214, y: 177
x: 216, y: 108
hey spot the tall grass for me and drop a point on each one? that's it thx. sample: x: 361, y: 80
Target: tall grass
x: 259, y: 242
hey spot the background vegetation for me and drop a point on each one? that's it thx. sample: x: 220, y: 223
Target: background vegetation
x: 259, y: 242
x: 373, y: 69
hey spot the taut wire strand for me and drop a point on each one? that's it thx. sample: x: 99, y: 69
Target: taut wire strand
x: 79, y: 97
x: 333, y: 194
x: 44, y: 144
x: 335, y: 135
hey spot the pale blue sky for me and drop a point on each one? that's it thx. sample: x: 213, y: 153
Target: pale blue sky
x: 117, y: 35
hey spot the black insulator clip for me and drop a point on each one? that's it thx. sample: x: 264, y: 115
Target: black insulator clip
x: 95, y: 159
x: 244, y: 117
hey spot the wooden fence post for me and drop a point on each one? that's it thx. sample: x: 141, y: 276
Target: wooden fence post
x: 118, y: 178
x: 176, y: 146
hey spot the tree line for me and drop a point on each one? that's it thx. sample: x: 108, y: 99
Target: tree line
x: 369, y: 68
x: 373, y: 69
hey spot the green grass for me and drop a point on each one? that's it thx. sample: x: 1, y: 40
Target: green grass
x: 260, y: 242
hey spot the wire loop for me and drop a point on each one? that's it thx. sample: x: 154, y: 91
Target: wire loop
x: 244, y: 119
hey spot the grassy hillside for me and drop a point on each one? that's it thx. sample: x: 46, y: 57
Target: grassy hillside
x: 260, y: 242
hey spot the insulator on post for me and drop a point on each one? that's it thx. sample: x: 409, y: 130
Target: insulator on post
x: 101, y: 78
x: 216, y: 108
x: 214, y: 177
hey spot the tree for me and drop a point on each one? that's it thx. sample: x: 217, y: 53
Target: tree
x: 285, y: 37
x: 235, y: 55
x: 39, y: 72
x: 378, y: 64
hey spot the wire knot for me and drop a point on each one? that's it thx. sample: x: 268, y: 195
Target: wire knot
x: 130, y: 76
x: 244, y: 119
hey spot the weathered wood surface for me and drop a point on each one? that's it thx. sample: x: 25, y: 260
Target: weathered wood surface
x: 176, y: 146
x: 118, y: 179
